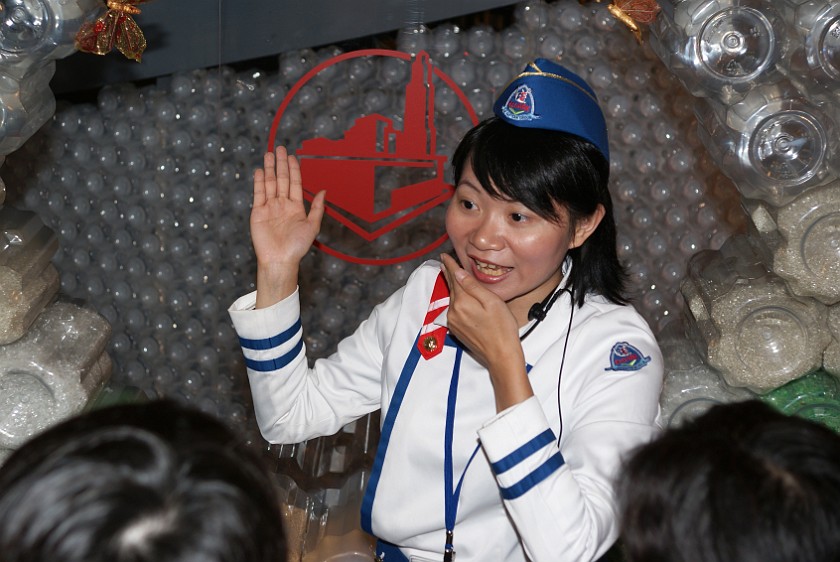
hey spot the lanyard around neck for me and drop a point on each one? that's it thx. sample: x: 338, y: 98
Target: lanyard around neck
x: 451, y: 495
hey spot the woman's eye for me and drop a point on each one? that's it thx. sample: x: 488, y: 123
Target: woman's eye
x: 517, y: 217
x: 469, y: 205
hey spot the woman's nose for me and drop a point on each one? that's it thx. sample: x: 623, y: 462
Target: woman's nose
x: 487, y: 234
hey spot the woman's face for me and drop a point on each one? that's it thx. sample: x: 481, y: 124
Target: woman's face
x: 507, y: 247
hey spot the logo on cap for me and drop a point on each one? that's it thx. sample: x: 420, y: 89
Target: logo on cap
x: 520, y: 105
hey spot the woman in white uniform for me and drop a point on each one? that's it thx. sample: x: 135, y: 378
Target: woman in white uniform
x: 511, y: 379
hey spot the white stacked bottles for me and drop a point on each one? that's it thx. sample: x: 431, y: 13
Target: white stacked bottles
x: 33, y: 33
x: 747, y: 324
x: 831, y: 357
x: 28, y: 281
x: 691, y: 387
x: 25, y: 105
x: 800, y: 241
x: 52, y: 372
x: 766, y: 75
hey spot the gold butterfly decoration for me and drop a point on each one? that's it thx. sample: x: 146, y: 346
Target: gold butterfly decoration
x: 115, y: 28
x: 634, y: 12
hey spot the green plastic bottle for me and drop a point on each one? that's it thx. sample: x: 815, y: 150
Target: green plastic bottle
x: 815, y: 397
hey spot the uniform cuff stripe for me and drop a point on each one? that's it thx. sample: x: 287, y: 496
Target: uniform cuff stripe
x: 274, y: 341
x: 540, y: 474
x: 275, y: 364
x: 523, y: 452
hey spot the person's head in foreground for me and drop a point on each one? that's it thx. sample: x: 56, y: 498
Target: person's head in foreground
x: 741, y: 483
x: 147, y: 482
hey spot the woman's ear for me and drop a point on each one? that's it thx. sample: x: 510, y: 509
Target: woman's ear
x: 586, y: 226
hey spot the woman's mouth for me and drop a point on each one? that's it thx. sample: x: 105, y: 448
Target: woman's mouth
x: 489, y: 270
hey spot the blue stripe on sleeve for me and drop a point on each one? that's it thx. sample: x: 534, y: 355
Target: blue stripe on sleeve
x: 273, y: 341
x: 523, y: 452
x: 537, y: 476
x: 275, y: 364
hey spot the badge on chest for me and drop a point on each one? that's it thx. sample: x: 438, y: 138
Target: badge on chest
x: 432, y: 336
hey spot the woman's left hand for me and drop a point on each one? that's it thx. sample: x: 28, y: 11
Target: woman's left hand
x: 483, y: 322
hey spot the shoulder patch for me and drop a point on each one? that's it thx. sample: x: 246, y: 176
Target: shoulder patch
x: 625, y: 357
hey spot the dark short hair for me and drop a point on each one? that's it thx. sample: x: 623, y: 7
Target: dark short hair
x: 742, y: 483
x: 140, y: 483
x: 543, y: 169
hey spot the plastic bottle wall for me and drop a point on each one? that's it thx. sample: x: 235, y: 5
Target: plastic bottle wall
x: 148, y: 189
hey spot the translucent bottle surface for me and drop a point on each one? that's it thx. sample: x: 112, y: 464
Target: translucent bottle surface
x: 52, y: 372
x: 34, y: 30
x: 690, y: 387
x: 800, y: 241
x: 813, y: 61
x: 773, y: 144
x: 689, y: 393
x: 25, y: 105
x: 736, y: 43
x: 831, y: 357
x: 747, y: 324
x: 24, y: 26
x: 720, y: 48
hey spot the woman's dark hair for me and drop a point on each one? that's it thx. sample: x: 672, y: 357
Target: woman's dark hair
x: 741, y: 483
x: 138, y: 483
x: 543, y: 169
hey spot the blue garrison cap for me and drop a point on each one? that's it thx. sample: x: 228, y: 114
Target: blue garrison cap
x: 548, y: 96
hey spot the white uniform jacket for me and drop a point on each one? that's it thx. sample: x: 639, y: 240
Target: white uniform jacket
x: 521, y: 498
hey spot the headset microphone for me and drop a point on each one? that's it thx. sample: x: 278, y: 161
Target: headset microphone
x: 537, y: 312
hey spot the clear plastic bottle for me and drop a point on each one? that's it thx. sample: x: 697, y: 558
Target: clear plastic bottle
x: 2, y: 183
x: 52, y: 372
x: 800, y: 241
x: 720, y: 48
x: 27, y: 280
x: 813, y: 59
x: 34, y: 30
x: 691, y: 387
x: 25, y: 106
x: 745, y: 322
x: 773, y: 144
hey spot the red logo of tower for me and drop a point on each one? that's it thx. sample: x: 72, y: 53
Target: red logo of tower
x: 348, y: 168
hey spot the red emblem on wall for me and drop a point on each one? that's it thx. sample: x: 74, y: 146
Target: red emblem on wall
x: 348, y: 167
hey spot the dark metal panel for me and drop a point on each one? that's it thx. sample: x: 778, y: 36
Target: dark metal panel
x: 189, y: 34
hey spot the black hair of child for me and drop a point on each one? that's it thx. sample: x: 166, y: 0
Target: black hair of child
x: 152, y: 482
x: 743, y: 482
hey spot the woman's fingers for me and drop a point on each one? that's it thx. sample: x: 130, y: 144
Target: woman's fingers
x: 279, y: 178
x: 281, y: 169
x: 269, y: 175
x: 295, y: 183
x: 463, y: 283
x: 259, y: 188
x: 278, y: 193
x: 316, y: 211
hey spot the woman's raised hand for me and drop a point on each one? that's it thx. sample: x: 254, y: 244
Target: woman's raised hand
x: 281, y: 230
